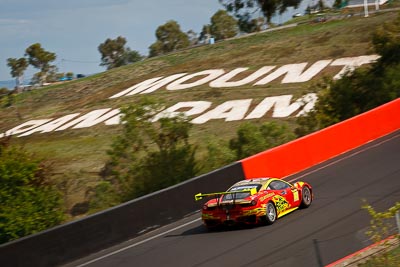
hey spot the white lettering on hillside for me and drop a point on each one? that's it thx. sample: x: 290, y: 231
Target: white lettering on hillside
x: 223, y: 80
x: 209, y: 76
x: 138, y: 87
x: 233, y: 110
x: 51, y: 126
x: 294, y: 73
x: 188, y: 109
x: 350, y: 63
x: 90, y: 119
x: 217, y: 78
x: 116, y: 119
x: 308, y: 101
x: 148, y: 86
x: 282, y: 106
x: 27, y: 126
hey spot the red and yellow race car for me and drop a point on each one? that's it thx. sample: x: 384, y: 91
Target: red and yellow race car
x: 255, y: 201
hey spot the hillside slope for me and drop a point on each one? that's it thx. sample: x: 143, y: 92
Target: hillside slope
x: 81, y: 153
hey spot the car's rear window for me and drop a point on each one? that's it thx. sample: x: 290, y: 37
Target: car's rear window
x: 241, y: 195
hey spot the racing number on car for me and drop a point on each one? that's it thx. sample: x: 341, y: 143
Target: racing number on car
x: 295, y: 195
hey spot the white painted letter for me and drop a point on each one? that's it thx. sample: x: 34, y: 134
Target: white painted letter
x: 223, y: 80
x: 52, y: 125
x: 295, y: 72
x: 195, y: 107
x: 114, y: 120
x: 148, y: 86
x: 90, y: 119
x: 309, y: 100
x: 233, y: 110
x: 210, y: 75
x: 282, y: 106
x: 27, y: 126
x: 350, y: 63
x: 261, y: 109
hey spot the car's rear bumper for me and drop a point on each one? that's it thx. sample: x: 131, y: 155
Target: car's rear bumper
x: 231, y: 217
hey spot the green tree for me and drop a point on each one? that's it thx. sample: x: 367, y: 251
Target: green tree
x: 51, y: 75
x: 7, y: 97
x: 103, y: 195
x: 386, y: 42
x: 218, y: 155
x: 205, y: 33
x: 173, y: 160
x: 381, y: 227
x: 252, y: 139
x: 321, y: 5
x: 243, y: 10
x: 4, y: 91
x: 362, y: 89
x: 308, y: 10
x: 69, y: 75
x: 114, y: 53
x: 18, y: 67
x: 40, y: 59
x: 131, y: 56
x: 28, y: 201
x: 223, y: 25
x: 147, y: 156
x: 169, y: 38
x: 193, y: 37
x: 339, y: 4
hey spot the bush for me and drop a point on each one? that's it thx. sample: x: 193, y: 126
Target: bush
x: 252, y: 139
x: 146, y: 157
x: 28, y: 202
x: 360, y: 90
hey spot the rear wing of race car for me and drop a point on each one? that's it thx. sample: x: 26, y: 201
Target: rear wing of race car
x: 200, y: 196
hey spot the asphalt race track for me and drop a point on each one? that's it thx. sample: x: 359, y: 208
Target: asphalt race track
x: 334, y: 225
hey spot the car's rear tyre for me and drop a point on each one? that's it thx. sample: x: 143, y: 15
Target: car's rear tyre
x: 270, y: 215
x: 306, y: 197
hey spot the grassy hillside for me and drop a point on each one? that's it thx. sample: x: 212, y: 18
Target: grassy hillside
x: 79, y: 154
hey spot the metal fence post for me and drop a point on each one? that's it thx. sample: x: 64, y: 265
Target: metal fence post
x: 318, y: 253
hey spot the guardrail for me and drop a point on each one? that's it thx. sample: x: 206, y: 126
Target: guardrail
x: 320, y: 146
x: 74, y: 240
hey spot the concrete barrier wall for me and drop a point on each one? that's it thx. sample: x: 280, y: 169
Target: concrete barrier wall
x: 315, y: 148
x: 99, y: 231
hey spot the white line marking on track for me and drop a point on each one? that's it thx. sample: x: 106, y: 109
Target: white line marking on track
x: 198, y: 219
x: 138, y: 243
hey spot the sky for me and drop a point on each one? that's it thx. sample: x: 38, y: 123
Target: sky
x: 74, y: 29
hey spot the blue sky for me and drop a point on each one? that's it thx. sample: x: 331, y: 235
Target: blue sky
x: 74, y: 29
